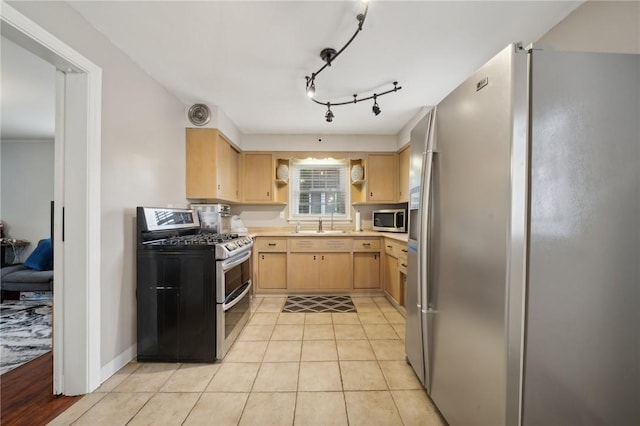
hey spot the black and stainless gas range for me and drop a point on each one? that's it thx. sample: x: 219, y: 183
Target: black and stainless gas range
x: 193, y: 287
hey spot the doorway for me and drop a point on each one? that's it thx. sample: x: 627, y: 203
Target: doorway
x: 76, y: 318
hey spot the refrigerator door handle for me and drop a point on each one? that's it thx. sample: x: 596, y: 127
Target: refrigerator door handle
x: 424, y: 229
x: 423, y: 269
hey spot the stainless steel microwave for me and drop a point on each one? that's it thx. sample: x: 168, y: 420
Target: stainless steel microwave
x: 391, y: 220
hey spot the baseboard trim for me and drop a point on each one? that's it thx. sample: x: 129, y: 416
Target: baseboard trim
x: 118, y: 362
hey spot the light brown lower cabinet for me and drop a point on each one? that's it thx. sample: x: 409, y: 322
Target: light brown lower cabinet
x: 272, y: 270
x: 366, y: 270
x: 392, y: 279
x: 319, y: 271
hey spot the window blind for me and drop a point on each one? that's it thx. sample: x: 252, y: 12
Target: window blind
x: 319, y: 190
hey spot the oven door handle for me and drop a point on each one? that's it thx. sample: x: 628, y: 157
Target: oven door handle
x: 235, y: 261
x: 227, y: 306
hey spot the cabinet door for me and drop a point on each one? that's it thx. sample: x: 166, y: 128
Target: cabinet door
x: 228, y: 159
x: 196, y: 332
x: 303, y: 273
x: 174, y: 319
x: 366, y: 270
x: 201, y: 168
x: 233, y: 176
x: 392, y: 278
x: 257, y: 178
x: 403, y: 175
x: 272, y: 270
x: 382, y: 178
x: 334, y: 271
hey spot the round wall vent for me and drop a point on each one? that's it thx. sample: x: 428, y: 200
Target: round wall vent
x: 199, y: 114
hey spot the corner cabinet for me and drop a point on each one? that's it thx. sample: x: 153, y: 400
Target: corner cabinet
x: 382, y: 175
x: 395, y: 266
x: 212, y: 166
x: 380, y: 182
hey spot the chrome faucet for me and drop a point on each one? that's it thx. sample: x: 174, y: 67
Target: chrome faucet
x: 319, y: 224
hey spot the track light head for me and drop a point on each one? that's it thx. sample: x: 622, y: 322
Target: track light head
x: 329, y: 115
x: 376, y: 108
x: 311, y: 89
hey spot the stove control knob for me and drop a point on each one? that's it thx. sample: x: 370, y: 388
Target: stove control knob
x: 230, y: 246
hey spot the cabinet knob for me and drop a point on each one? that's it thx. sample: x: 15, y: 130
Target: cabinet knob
x: 371, y: 194
x: 263, y: 257
x: 314, y: 258
x: 218, y: 186
x: 391, y: 247
x: 267, y: 193
x: 366, y: 244
x: 272, y: 244
x: 322, y: 257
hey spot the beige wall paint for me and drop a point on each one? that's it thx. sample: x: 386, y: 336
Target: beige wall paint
x: 142, y: 133
x: 598, y: 26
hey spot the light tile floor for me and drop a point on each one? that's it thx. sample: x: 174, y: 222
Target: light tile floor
x: 285, y: 369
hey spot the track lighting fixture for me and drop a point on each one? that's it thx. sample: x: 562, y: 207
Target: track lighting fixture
x: 328, y: 55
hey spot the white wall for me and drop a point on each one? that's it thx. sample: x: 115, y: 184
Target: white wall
x: 143, y: 163
x: 27, y: 191
x: 598, y: 26
x: 366, y: 143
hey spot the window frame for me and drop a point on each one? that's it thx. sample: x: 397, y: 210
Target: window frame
x: 294, y: 189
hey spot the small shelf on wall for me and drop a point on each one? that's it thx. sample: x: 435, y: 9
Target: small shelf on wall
x: 281, y: 179
x: 358, y: 181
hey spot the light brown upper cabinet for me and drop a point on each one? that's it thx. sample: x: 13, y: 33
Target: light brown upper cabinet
x: 257, y: 177
x: 403, y: 179
x: 212, y: 166
x: 382, y: 178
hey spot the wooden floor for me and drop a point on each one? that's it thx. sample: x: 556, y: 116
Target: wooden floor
x: 26, y: 394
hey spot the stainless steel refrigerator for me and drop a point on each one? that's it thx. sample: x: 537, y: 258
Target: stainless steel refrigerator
x: 523, y: 292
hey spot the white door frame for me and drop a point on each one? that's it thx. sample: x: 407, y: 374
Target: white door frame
x: 76, y: 321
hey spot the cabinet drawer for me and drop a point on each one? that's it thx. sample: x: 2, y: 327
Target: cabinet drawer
x: 391, y: 247
x: 366, y: 244
x: 314, y: 244
x: 403, y: 252
x: 271, y: 244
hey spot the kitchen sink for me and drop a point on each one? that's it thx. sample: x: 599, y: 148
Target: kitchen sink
x: 316, y: 232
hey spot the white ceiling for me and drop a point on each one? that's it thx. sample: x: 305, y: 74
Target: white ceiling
x: 250, y: 58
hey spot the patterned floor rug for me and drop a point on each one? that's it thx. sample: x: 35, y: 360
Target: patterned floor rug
x: 25, y: 332
x: 319, y: 304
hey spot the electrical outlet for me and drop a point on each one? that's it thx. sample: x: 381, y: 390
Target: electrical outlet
x: 282, y: 215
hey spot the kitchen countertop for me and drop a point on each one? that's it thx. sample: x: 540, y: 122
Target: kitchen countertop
x: 280, y: 232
